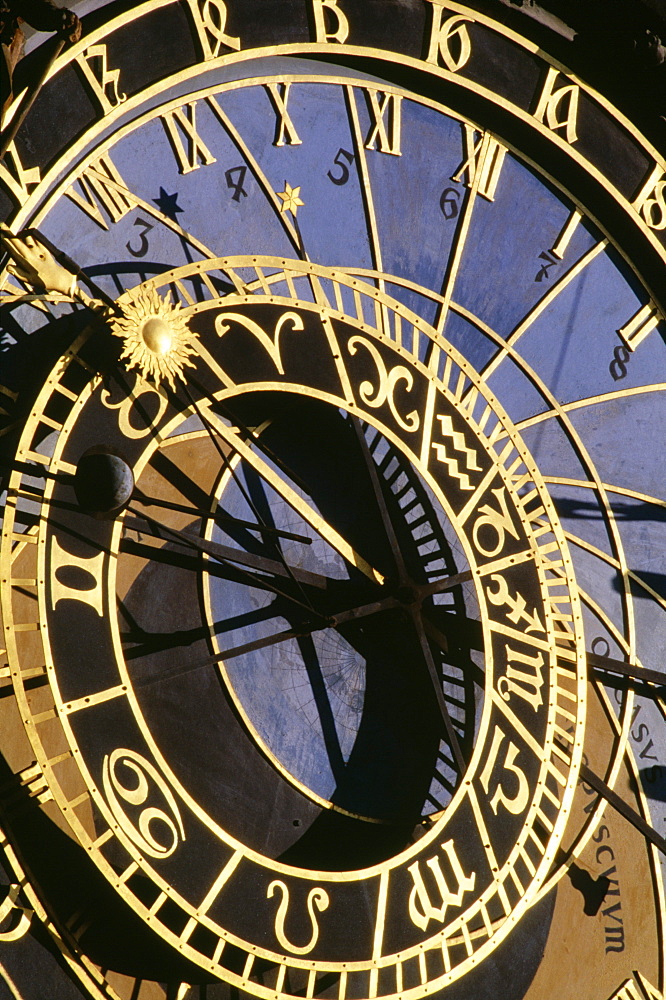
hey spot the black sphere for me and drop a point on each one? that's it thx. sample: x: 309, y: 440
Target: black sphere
x: 103, y: 483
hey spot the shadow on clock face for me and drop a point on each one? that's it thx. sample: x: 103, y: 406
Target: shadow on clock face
x: 326, y: 749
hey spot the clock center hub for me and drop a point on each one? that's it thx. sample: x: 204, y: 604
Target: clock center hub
x: 407, y: 594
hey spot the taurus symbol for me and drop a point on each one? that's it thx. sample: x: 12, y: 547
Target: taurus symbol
x: 316, y: 898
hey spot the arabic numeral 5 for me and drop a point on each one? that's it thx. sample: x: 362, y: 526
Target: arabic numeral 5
x: 338, y: 159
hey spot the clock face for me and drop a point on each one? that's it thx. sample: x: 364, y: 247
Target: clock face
x: 330, y: 553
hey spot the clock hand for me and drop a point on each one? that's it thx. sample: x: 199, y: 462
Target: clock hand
x: 140, y: 643
x: 609, y: 665
x: 220, y: 518
x: 8, y: 134
x: 437, y: 687
x: 258, y: 442
x: 440, y: 639
x: 44, y: 268
x: 296, y: 502
x: 229, y: 466
x: 305, y: 629
x: 225, y: 553
x: 381, y: 503
x: 618, y: 803
x: 224, y: 570
x: 104, y: 484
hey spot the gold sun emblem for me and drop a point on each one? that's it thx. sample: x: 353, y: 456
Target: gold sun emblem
x: 157, y: 338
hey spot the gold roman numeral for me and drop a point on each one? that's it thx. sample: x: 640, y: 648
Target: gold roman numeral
x: 16, y: 177
x: 102, y: 187
x: 643, y: 322
x: 564, y: 239
x: 485, y: 156
x: 182, y: 123
x: 93, y: 566
x: 386, y: 125
x: 284, y: 127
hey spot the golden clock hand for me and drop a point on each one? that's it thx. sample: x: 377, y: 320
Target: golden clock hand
x: 35, y: 266
x: 46, y: 269
x: 210, y: 430
x: 295, y: 501
x: 249, y: 434
x: 131, y: 198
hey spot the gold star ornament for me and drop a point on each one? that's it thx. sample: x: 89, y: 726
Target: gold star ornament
x: 291, y: 200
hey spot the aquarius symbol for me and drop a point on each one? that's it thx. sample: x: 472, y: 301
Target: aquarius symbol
x: 316, y: 898
x: 460, y: 446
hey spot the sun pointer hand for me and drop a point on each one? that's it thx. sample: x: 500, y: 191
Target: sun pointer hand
x: 45, y: 269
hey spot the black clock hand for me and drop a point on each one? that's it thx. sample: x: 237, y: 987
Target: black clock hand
x: 608, y: 665
x: 315, y: 520
x: 306, y: 628
x: 30, y: 491
x: 387, y: 523
x: 263, y: 529
x: 232, y: 571
x: 223, y: 553
x: 258, y: 441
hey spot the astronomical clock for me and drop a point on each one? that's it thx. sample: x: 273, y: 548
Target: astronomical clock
x: 332, y: 563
